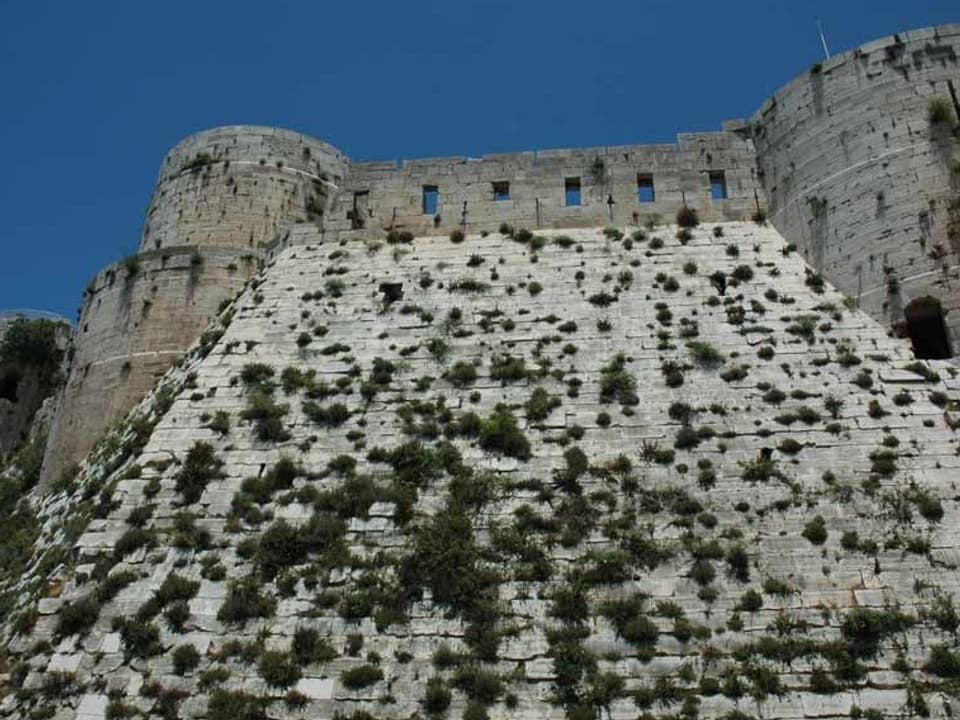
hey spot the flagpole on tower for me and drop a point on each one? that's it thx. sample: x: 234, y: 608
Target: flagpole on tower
x: 823, y: 40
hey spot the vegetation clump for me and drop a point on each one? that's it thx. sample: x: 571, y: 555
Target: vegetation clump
x: 220, y: 423
x: 277, y: 669
x: 244, y: 601
x: 415, y: 465
x: 437, y: 697
x: 200, y: 467
x: 235, y: 705
x: 445, y: 559
x: 687, y: 217
x: 282, y: 545
x: 78, y: 616
x: 140, y: 639
x: 468, y: 285
x: 602, y: 299
x: 743, y: 273
x: 257, y: 376
x: 616, y: 383
x: 361, y: 677
x: 279, y: 477
x: 940, y: 112
x: 399, y: 237
x: 333, y: 415
x: 381, y: 375
x: 501, y: 433
x: 816, y: 530
x: 864, y: 629
x: 629, y: 618
x: 267, y: 416
x: 705, y: 354
x: 576, y: 465
x: 132, y: 540
x: 185, y: 658
x: 198, y: 162
x: 761, y: 469
x: 506, y: 368
x: 32, y: 344
x: 308, y: 647
x: 541, y: 404
x: 943, y: 662
x: 673, y: 372
x: 461, y: 374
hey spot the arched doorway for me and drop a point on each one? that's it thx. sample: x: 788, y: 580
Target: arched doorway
x: 927, y: 331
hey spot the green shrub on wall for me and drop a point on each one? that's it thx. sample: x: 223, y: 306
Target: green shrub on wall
x: 940, y: 112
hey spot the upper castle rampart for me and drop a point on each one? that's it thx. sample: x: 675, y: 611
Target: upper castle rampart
x: 843, y: 159
x: 712, y: 172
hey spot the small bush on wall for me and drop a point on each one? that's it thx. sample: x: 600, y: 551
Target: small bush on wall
x: 940, y: 112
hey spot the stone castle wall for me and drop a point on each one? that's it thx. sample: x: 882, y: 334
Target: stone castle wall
x: 853, y: 135
x: 739, y: 457
x: 855, y: 174
x: 132, y: 327
x: 238, y: 186
x: 390, y: 195
x: 220, y: 196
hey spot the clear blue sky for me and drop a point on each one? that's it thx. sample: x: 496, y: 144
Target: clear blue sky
x: 92, y: 94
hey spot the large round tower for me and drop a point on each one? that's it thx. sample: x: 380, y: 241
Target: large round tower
x: 859, y: 159
x: 221, y: 196
x: 237, y: 186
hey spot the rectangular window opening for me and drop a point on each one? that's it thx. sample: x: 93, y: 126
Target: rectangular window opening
x: 645, y: 191
x: 358, y: 213
x: 431, y: 198
x: 571, y: 189
x: 501, y: 190
x: 718, y: 185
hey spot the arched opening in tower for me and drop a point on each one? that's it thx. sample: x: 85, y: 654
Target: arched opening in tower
x: 927, y: 331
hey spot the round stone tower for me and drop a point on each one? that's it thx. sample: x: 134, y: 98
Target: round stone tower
x: 860, y: 162
x: 222, y: 195
x: 237, y: 186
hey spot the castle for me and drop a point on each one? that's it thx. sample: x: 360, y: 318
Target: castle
x: 643, y: 431
x: 841, y: 159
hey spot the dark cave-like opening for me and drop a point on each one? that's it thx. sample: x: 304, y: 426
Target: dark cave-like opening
x: 927, y: 331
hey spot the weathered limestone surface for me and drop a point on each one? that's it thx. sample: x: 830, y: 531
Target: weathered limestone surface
x: 230, y: 192
x: 780, y: 424
x: 857, y: 176
x: 389, y: 195
x: 138, y: 318
x: 739, y: 494
x: 221, y: 196
x: 845, y: 158
x: 239, y: 186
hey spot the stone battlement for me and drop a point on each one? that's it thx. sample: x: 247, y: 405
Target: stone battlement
x: 843, y: 160
x: 553, y: 188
